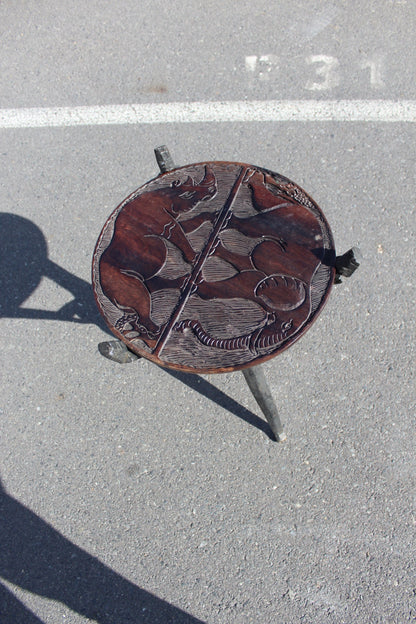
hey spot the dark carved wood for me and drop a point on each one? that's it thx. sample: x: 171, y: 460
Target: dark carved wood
x: 213, y: 267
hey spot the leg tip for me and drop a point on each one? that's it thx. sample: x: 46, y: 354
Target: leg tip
x: 117, y: 351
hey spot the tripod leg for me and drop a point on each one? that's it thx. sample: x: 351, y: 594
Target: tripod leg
x: 117, y: 351
x: 258, y: 385
x: 164, y: 159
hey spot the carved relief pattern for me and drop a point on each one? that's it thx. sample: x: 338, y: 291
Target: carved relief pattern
x: 213, y: 266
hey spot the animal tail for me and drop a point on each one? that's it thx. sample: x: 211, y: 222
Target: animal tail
x: 263, y: 338
x: 241, y: 342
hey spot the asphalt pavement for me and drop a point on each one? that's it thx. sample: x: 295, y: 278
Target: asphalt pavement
x: 131, y: 494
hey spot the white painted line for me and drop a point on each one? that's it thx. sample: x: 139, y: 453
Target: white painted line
x: 384, y: 111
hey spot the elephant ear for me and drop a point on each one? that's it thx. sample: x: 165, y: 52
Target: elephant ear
x: 281, y: 292
x: 209, y: 179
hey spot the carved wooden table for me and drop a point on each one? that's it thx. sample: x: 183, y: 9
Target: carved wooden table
x: 214, y: 267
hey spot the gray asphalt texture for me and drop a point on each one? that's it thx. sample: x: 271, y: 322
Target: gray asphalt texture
x: 131, y: 494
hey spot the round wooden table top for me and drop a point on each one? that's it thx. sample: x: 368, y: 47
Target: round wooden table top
x: 213, y: 267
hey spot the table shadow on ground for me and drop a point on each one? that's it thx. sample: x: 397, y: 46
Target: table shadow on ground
x: 23, y: 262
x: 208, y: 390
x: 39, y: 559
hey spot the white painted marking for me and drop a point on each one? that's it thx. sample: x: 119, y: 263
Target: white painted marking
x: 309, y: 30
x: 376, y: 67
x: 267, y: 63
x: 385, y: 111
x: 328, y: 70
x: 250, y: 63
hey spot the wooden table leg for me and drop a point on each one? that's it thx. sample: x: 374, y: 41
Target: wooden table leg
x: 258, y: 385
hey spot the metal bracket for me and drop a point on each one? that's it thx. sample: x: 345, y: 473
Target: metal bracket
x: 347, y: 264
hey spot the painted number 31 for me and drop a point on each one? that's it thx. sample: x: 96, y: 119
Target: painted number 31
x: 326, y: 70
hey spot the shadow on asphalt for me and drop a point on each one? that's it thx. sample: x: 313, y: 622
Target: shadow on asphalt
x: 199, y: 384
x: 37, y: 558
x: 12, y: 611
x: 23, y: 262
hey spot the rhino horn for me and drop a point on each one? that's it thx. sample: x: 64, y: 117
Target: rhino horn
x: 208, y: 179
